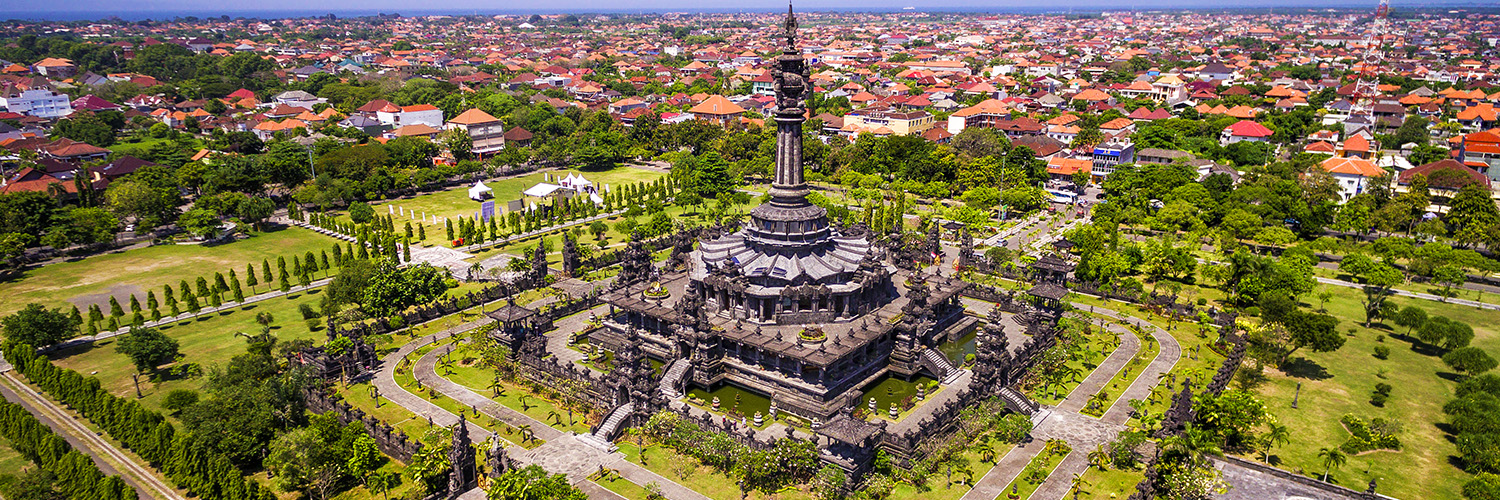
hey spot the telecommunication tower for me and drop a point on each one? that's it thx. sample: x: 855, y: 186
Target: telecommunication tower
x: 1367, y: 87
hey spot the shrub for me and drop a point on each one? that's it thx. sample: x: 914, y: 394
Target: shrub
x: 178, y: 399
x: 1378, y: 434
x: 307, y: 311
x: 1382, y: 392
x: 1382, y: 352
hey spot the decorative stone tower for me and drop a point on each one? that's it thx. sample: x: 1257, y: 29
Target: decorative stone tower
x: 461, y: 458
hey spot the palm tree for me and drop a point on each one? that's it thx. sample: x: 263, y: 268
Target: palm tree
x: 985, y: 449
x: 1332, y: 459
x: 525, y: 402
x: 526, y: 433
x: 447, y: 365
x: 1277, y: 435
x: 1072, y: 372
x: 554, y: 417
x: 496, y: 386
x: 1099, y: 458
x: 1077, y: 485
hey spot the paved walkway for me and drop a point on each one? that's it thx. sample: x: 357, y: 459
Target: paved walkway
x: 1082, y: 432
x: 166, y: 320
x: 557, y: 339
x: 561, y: 454
x: 1418, y: 295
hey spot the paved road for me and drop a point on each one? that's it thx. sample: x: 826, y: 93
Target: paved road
x: 104, y: 454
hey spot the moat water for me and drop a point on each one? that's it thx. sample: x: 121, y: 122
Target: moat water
x: 885, y: 390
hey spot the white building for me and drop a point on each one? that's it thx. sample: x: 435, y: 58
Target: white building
x: 397, y: 117
x: 41, y: 103
x: 1354, y: 175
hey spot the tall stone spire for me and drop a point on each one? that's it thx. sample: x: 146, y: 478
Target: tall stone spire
x: 790, y: 81
x: 789, y: 221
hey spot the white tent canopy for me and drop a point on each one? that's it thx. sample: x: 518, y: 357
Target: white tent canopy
x: 542, y: 189
x: 480, y: 191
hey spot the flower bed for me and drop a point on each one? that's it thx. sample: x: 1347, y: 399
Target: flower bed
x: 1378, y: 434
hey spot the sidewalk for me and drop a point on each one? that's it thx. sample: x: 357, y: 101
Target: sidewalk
x: 228, y: 306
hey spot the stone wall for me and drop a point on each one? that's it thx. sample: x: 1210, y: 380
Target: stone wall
x: 392, y: 442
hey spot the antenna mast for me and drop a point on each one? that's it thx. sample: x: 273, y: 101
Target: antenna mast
x: 1367, y: 87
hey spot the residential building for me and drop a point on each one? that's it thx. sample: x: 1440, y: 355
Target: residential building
x: 56, y: 67
x: 898, y: 122
x: 1481, y: 151
x: 1163, y: 156
x: 487, y: 131
x: 1111, y: 154
x: 717, y: 109
x: 38, y: 102
x: 1244, y: 130
x: 1444, y: 178
x: 1064, y: 168
x: 984, y: 114
x: 397, y: 117
x: 1353, y: 175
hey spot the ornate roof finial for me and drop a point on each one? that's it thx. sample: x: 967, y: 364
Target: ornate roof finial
x: 790, y: 27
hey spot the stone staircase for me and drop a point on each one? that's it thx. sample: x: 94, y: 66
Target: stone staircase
x: 938, y: 364
x: 603, y: 435
x: 1018, y: 402
x: 671, y: 380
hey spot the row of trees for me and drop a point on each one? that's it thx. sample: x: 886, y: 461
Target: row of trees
x: 186, y: 461
x: 73, y: 474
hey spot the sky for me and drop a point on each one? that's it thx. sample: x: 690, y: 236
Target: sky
x: 136, y: 9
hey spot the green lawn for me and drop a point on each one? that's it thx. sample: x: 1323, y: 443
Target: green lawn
x: 137, y: 271
x: 11, y: 461
x: 1112, y: 484
x: 1122, y: 380
x: 1026, y: 483
x: 1095, y: 350
x: 206, y: 340
x: 405, y: 379
x: 688, y: 472
x: 478, y: 377
x: 1198, y: 361
x: 1341, y: 382
x: 455, y: 202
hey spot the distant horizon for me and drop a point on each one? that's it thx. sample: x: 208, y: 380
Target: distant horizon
x: 93, y: 10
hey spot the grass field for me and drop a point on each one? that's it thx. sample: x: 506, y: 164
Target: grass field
x: 206, y: 340
x: 455, y: 202
x: 1341, y: 382
x: 478, y: 377
x: 121, y: 273
x: 11, y: 461
x: 688, y: 472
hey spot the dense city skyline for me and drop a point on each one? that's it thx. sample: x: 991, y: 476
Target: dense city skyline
x: 138, y: 9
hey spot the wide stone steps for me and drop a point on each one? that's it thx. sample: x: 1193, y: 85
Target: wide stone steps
x: 671, y: 381
x: 938, y: 364
x: 603, y: 436
x: 1018, y: 402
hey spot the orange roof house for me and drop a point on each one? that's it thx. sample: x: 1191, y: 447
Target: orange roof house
x: 717, y: 108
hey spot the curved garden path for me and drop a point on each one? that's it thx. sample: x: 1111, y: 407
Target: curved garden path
x: 561, y: 454
x: 1083, y: 432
